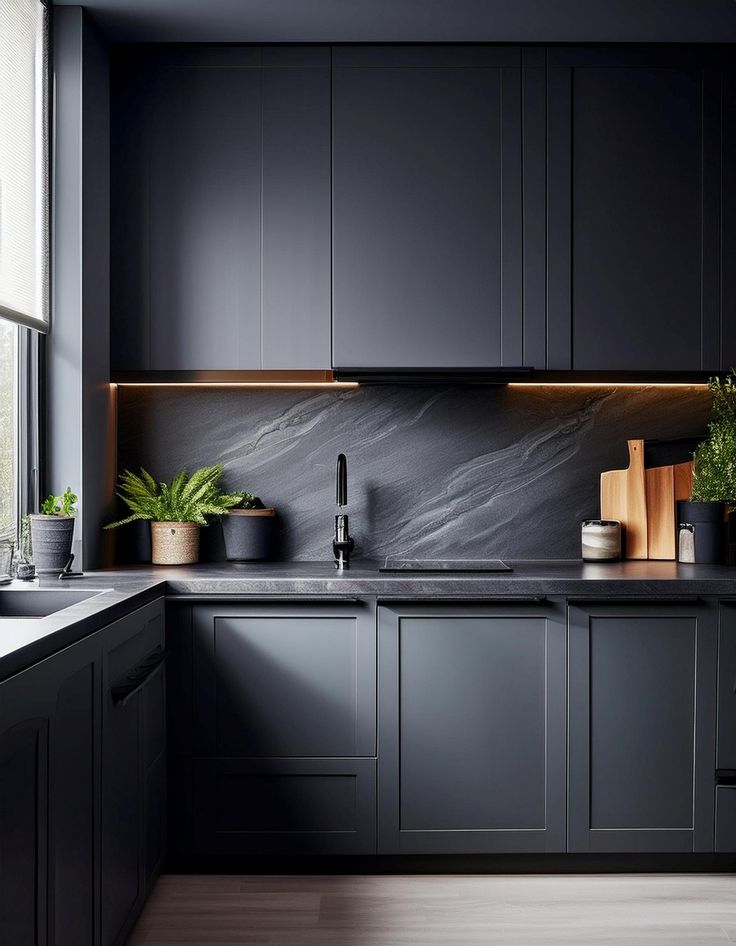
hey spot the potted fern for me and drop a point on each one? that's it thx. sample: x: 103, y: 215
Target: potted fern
x: 52, y: 531
x: 176, y: 510
x: 248, y: 530
x: 714, y: 476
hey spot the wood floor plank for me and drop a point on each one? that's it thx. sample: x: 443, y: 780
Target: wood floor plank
x: 436, y: 910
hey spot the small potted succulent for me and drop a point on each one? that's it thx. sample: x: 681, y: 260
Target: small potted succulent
x: 714, y: 476
x: 176, y: 510
x: 52, y: 531
x: 248, y: 529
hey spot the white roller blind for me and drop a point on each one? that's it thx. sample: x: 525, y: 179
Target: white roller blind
x: 24, y: 188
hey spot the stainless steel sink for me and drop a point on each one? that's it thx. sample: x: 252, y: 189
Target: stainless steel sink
x: 39, y: 602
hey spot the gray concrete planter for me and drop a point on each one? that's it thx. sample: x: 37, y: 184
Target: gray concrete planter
x: 249, y: 534
x: 51, y: 540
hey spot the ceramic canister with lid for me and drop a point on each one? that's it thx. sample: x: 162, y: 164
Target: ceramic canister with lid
x: 601, y: 540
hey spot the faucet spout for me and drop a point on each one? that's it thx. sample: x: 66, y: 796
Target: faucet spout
x: 341, y: 479
x: 342, y: 543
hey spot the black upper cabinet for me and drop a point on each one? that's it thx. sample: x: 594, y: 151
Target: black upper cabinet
x: 633, y: 209
x: 426, y: 207
x: 561, y: 208
x: 221, y: 209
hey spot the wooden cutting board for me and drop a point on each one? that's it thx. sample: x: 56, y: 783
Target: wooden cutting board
x: 623, y: 497
x: 664, y: 486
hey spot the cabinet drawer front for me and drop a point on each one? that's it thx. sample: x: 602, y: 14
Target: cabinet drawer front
x: 641, y: 728
x: 294, y: 681
x: 472, y: 729
x: 725, y: 819
x: 284, y: 806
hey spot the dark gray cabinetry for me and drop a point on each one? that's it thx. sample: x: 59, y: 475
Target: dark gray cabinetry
x: 283, y: 740
x: 633, y: 209
x: 427, y: 207
x: 472, y: 728
x: 49, y: 727
x: 726, y: 744
x: 642, y: 716
x: 221, y: 209
x: 133, y: 767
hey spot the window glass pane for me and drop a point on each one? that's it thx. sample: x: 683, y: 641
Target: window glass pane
x: 24, y: 274
x: 8, y: 430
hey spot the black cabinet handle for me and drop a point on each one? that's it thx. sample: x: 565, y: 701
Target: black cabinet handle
x: 138, y: 677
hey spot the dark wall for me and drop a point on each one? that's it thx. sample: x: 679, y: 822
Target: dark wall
x: 432, y: 471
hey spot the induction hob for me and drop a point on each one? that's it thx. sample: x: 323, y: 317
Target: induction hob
x: 444, y: 565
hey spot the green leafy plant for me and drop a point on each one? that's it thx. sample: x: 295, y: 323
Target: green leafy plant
x: 185, y: 499
x: 714, y: 476
x: 249, y: 501
x: 60, y: 505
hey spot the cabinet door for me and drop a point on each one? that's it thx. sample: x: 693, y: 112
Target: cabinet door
x: 23, y: 839
x: 726, y: 754
x: 126, y: 804
x: 49, y: 724
x: 633, y: 208
x: 297, y: 199
x: 427, y: 207
x: 220, y: 215
x: 285, y: 681
x: 642, y: 694
x: 472, y: 728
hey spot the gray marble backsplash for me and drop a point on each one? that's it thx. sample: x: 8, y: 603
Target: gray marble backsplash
x: 432, y: 471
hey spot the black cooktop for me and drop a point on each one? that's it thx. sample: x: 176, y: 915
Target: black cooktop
x: 444, y: 565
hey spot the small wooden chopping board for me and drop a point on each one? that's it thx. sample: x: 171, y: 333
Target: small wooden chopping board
x: 623, y: 497
x: 664, y: 486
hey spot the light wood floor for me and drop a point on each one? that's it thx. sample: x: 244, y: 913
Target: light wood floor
x: 692, y: 910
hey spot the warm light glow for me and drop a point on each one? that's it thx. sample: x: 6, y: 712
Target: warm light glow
x: 607, y: 384
x: 322, y: 385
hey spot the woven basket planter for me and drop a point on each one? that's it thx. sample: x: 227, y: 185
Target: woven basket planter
x: 174, y: 543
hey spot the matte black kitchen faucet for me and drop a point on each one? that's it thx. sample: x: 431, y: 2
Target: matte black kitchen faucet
x: 342, y: 544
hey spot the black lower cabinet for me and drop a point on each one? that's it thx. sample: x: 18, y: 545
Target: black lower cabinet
x: 642, y: 727
x: 277, y: 729
x: 49, y: 730
x: 726, y: 743
x: 472, y: 728
x: 82, y: 787
x: 133, y: 767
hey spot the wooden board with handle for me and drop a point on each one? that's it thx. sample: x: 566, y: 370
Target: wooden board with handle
x: 623, y: 497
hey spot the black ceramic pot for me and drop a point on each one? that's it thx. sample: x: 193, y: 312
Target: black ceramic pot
x: 708, y: 525
x: 249, y: 534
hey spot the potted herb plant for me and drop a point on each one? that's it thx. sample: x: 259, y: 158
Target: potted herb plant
x: 248, y: 529
x: 714, y: 475
x: 52, y: 531
x: 176, y: 510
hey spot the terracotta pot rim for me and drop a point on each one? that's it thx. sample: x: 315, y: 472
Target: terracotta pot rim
x: 268, y: 511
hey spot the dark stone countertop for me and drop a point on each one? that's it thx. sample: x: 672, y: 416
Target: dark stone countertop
x: 117, y: 592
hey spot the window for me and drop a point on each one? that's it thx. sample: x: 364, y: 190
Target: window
x: 24, y: 160
x: 24, y: 247
x: 9, y: 479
